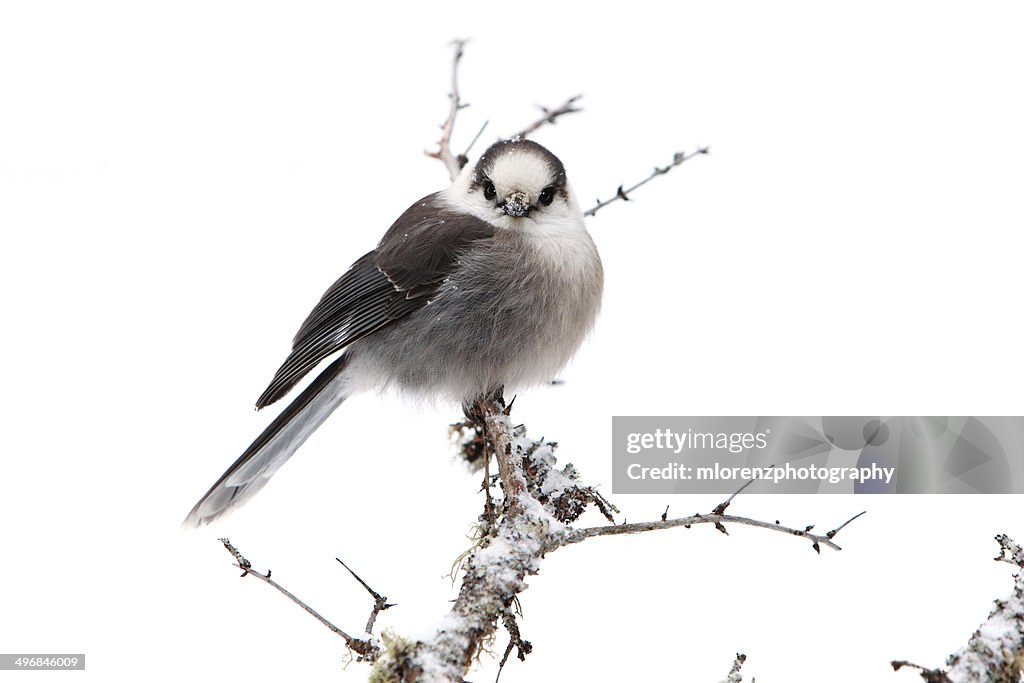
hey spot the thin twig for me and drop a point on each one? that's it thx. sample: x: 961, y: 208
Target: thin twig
x: 367, y: 650
x: 721, y: 507
x: 465, y: 155
x: 551, y: 115
x: 623, y: 193
x: 832, y: 534
x: 515, y: 642
x: 453, y: 163
x: 380, y: 602
x: 639, y: 527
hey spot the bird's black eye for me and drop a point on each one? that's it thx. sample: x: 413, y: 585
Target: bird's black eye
x: 489, y: 191
x: 547, y: 196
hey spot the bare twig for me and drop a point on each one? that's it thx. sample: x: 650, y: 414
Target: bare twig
x: 719, y: 521
x: 623, y: 193
x: 380, y: 603
x: 930, y: 675
x: 465, y: 155
x: 515, y: 642
x: 721, y: 507
x: 453, y: 163
x: 368, y: 650
x: 832, y: 534
x: 551, y: 115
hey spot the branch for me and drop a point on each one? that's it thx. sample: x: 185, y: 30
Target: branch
x: 380, y: 603
x: 453, y: 163
x: 623, y: 194
x: 515, y: 642
x: 539, y: 503
x: 367, y: 650
x: 996, y: 650
x: 734, y: 672
x: 718, y: 520
x: 551, y: 115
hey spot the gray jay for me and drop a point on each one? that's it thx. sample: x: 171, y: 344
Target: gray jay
x: 490, y: 283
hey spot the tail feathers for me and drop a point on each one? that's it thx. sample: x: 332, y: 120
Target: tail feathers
x: 273, y: 447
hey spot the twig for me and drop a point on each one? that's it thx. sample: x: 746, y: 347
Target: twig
x: 721, y: 507
x: 832, y: 534
x: 366, y: 649
x: 930, y: 675
x: 623, y: 194
x: 551, y: 115
x: 1008, y: 545
x: 465, y: 155
x: 578, y: 535
x: 515, y: 642
x: 734, y: 672
x: 453, y: 163
x: 380, y: 603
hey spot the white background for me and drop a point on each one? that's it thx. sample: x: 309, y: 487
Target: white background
x: 179, y: 182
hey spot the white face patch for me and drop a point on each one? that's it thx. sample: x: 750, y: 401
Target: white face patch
x: 518, y: 168
x: 520, y: 171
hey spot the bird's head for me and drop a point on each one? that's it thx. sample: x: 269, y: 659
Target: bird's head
x: 514, y: 181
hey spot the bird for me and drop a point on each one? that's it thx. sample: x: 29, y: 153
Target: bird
x: 490, y: 284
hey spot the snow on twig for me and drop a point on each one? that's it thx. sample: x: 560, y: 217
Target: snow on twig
x: 995, y: 653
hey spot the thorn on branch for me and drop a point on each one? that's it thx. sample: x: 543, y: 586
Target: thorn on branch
x: 380, y: 602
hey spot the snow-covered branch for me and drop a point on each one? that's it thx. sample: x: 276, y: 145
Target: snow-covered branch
x: 734, y: 673
x: 995, y: 653
x: 532, y: 517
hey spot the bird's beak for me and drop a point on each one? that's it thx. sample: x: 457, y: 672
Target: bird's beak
x: 516, y: 204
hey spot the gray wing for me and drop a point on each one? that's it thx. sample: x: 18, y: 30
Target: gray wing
x: 382, y: 287
x: 272, y: 448
x: 387, y: 284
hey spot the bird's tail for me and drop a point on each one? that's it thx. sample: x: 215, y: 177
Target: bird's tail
x: 273, y: 447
